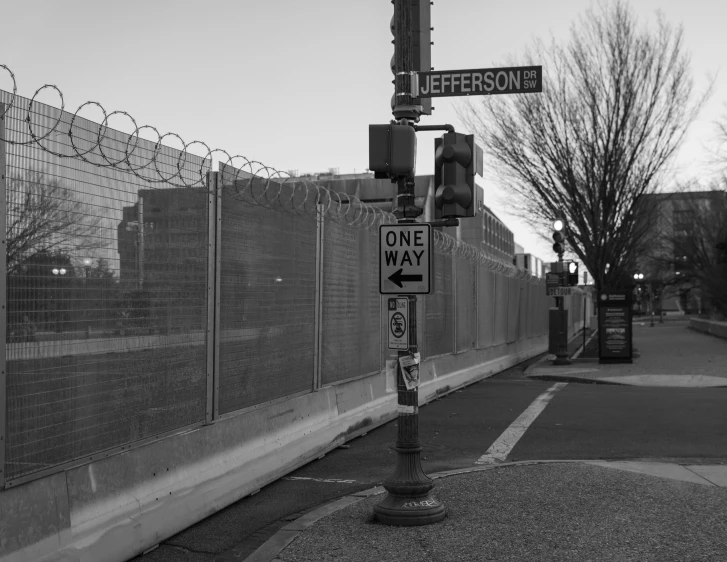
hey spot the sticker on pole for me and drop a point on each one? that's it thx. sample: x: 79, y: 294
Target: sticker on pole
x: 399, y: 323
x: 405, y: 265
x: 410, y: 370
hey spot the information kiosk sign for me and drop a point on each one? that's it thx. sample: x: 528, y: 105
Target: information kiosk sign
x: 615, y: 336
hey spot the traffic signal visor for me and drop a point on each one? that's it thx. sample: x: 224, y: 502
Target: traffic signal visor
x: 392, y: 150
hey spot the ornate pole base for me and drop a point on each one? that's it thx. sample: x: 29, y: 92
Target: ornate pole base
x: 562, y: 359
x: 402, y: 511
x: 409, y: 501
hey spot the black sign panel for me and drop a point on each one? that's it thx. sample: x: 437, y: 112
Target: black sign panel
x: 480, y: 82
x: 615, y: 344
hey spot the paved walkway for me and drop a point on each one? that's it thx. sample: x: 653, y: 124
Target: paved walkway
x: 669, y: 354
x: 551, y: 510
x: 530, y: 511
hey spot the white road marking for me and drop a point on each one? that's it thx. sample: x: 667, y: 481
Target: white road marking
x: 502, y: 446
x: 330, y: 480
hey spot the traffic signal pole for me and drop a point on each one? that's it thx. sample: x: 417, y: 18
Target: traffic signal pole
x: 408, y: 500
x: 561, y: 354
x: 560, y: 325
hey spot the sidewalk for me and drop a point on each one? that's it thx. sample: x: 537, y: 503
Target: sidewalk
x: 668, y: 355
x: 550, y: 510
x: 530, y: 511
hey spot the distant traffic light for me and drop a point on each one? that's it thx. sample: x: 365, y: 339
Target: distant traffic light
x: 559, y: 236
x: 454, y: 176
x: 392, y: 150
x: 572, y: 274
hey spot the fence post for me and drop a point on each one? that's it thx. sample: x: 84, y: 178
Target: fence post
x: 318, y: 306
x: 454, y: 300
x: 214, y: 224
x: 477, y: 305
x: 3, y: 301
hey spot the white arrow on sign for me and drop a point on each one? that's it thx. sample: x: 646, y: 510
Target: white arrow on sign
x: 405, y: 259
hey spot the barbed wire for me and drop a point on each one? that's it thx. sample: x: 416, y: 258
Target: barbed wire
x: 264, y: 185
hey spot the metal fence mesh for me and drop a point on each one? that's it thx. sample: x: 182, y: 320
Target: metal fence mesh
x: 108, y: 256
x: 351, y: 334
x: 501, y: 308
x: 105, y: 292
x: 267, y: 298
x: 513, y: 308
x: 466, y: 305
x: 485, y: 308
x: 439, y: 308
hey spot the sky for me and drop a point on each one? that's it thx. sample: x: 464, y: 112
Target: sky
x: 294, y: 84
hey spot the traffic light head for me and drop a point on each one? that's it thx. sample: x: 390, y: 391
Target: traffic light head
x: 454, y: 176
x: 392, y: 150
x: 572, y: 273
x: 559, y: 235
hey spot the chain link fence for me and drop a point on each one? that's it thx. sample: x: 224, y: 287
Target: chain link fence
x: 147, y: 294
x: 105, y: 293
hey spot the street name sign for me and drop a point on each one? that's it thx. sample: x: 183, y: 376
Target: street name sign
x: 399, y: 323
x: 405, y: 264
x: 479, y: 82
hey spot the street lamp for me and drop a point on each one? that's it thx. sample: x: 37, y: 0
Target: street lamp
x: 640, y: 277
x: 57, y: 273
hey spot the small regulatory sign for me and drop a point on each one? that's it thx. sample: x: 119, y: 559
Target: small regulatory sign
x: 405, y: 259
x: 399, y: 323
x: 560, y: 291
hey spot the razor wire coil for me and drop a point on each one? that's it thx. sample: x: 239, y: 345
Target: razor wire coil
x: 248, y: 174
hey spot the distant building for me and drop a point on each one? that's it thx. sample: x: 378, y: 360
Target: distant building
x: 162, y: 242
x: 530, y: 263
x: 675, y: 219
x: 163, y: 236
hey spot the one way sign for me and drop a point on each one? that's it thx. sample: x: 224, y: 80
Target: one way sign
x: 405, y: 265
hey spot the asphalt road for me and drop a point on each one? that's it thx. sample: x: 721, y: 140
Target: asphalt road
x: 581, y: 421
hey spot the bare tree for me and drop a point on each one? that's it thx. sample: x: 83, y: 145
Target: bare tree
x: 45, y: 216
x: 721, y: 151
x: 616, y: 103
